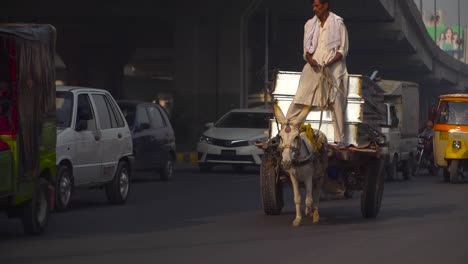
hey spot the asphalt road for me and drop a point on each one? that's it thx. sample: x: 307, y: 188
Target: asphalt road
x: 217, y: 218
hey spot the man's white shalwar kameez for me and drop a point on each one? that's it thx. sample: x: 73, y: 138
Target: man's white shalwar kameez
x: 323, y: 43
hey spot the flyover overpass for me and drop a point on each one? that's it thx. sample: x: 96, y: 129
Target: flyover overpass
x: 216, y: 49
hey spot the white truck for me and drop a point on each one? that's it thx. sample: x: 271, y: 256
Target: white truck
x: 401, y: 101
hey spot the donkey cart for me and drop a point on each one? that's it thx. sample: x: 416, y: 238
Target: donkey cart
x: 359, y: 165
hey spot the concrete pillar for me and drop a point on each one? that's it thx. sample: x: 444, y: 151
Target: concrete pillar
x: 207, y: 72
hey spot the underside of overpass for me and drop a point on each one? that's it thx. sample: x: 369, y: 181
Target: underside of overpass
x: 210, y: 55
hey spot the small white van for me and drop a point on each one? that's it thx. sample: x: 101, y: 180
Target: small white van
x: 94, y: 145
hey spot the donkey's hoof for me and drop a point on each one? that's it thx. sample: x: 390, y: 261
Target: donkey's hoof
x: 297, y: 222
x: 315, y: 217
x: 308, y: 212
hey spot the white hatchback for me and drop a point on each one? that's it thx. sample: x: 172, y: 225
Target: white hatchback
x: 231, y: 140
x: 94, y: 145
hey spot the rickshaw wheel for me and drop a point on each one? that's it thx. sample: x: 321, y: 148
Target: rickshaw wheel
x: 270, y: 186
x: 35, y: 214
x: 453, y: 171
x: 446, y: 175
x: 371, y: 197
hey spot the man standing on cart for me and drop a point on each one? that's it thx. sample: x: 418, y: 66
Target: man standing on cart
x: 323, y: 82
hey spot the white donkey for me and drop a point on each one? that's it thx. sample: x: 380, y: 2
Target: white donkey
x: 303, y: 160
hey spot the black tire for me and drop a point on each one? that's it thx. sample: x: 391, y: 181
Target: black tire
x: 35, y: 213
x: 270, y: 186
x: 408, y: 168
x: 118, y: 189
x: 392, y: 169
x: 205, y: 167
x: 63, y: 189
x: 371, y: 197
x: 453, y: 171
x: 167, y: 172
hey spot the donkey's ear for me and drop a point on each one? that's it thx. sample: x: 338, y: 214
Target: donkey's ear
x: 301, y: 117
x: 278, y: 113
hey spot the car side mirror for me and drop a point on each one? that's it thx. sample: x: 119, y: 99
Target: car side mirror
x: 81, y: 125
x: 142, y: 126
x: 84, y: 114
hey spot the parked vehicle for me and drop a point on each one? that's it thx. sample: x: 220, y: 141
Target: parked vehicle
x: 94, y: 145
x: 231, y: 140
x: 153, y: 138
x: 27, y: 123
x: 400, y: 127
x: 451, y: 137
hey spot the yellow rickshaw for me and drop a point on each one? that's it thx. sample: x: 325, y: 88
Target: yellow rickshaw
x: 451, y: 136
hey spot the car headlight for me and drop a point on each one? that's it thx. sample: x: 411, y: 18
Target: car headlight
x: 260, y: 139
x: 205, y: 139
x: 456, y: 144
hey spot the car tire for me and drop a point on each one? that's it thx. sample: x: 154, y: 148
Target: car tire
x: 167, y: 172
x: 35, y: 213
x: 118, y: 189
x: 392, y: 169
x: 63, y: 189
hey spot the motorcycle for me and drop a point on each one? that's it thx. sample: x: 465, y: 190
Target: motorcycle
x: 424, y: 157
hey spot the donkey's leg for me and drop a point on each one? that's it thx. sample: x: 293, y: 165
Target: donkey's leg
x: 308, y: 199
x: 316, y: 188
x: 297, y: 200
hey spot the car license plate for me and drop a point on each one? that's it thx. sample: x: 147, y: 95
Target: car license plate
x: 228, y: 152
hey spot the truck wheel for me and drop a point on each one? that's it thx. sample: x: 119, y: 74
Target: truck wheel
x: 35, y: 215
x: 117, y: 190
x: 371, y: 197
x: 63, y: 188
x: 453, y: 171
x: 167, y: 173
x: 392, y: 169
x: 270, y: 187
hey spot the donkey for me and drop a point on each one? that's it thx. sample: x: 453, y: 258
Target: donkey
x: 303, y: 160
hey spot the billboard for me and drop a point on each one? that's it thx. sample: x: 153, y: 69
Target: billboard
x: 449, y: 39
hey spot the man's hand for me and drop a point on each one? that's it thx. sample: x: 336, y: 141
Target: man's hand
x: 312, y: 62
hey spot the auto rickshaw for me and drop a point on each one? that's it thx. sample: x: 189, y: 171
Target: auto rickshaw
x: 27, y: 123
x: 451, y: 136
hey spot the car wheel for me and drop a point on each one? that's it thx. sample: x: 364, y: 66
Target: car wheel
x: 63, y: 189
x: 167, y: 173
x: 118, y: 189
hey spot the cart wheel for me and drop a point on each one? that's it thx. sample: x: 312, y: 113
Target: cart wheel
x: 270, y: 187
x: 453, y: 171
x: 371, y: 197
x: 35, y: 215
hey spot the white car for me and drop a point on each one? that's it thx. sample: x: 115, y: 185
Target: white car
x: 231, y: 140
x: 94, y: 145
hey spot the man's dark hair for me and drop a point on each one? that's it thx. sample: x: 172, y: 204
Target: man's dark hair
x: 323, y: 2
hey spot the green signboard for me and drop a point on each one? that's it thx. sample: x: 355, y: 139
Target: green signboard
x: 448, y: 38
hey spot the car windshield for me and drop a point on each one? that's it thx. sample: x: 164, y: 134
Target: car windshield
x: 64, y: 106
x: 129, y: 111
x: 245, y: 120
x: 453, y: 113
